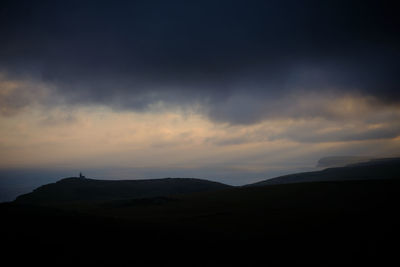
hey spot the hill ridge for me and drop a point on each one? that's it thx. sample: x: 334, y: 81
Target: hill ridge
x: 382, y: 168
x: 75, y: 189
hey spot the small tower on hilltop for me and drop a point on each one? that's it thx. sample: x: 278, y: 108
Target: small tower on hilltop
x: 81, y: 176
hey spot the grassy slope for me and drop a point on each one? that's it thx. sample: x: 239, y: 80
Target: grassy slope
x: 324, y: 222
x: 253, y: 208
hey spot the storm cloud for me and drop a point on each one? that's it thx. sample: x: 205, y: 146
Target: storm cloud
x: 231, y: 59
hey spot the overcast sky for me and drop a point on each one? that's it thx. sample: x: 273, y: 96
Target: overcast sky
x: 234, y: 91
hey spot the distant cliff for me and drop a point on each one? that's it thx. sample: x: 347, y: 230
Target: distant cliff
x: 340, y: 161
x: 386, y: 168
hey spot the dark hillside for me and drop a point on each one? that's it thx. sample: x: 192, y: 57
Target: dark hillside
x: 324, y: 223
x: 70, y: 190
x: 351, y: 220
x: 375, y: 169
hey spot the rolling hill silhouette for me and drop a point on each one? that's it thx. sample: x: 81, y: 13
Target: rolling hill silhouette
x: 78, y: 190
x: 386, y: 168
x: 352, y: 219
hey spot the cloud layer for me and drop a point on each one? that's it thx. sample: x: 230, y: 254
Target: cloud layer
x: 231, y: 57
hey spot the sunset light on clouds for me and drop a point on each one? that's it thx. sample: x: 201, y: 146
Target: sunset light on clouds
x: 40, y: 129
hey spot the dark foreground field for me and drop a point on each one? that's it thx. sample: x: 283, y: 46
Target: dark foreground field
x: 325, y: 223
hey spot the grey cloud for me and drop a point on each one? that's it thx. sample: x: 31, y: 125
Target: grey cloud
x: 16, y: 95
x: 387, y: 132
x: 13, y: 102
x: 57, y: 120
x: 131, y: 55
x: 308, y: 131
x: 309, y: 134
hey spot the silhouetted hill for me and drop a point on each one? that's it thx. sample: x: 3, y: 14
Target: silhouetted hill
x: 324, y: 223
x: 78, y: 190
x: 386, y: 168
x: 15, y: 182
x: 352, y: 220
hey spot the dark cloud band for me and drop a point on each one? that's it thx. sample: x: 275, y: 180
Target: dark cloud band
x: 132, y: 54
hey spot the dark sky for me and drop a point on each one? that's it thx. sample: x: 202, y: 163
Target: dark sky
x: 130, y: 54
